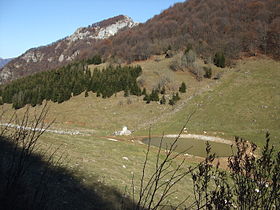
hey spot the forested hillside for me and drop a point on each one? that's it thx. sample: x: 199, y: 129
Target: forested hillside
x: 210, y: 26
x: 60, y: 84
x: 235, y: 28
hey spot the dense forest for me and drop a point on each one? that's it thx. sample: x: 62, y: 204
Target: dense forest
x: 61, y: 84
x: 236, y: 28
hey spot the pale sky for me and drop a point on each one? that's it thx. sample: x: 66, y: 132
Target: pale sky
x: 25, y: 24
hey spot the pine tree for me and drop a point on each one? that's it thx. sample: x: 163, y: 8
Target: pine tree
x: 144, y: 92
x: 61, y: 84
x: 154, y: 95
x: 182, y: 88
x: 219, y: 60
x: 146, y: 97
x: 78, y: 88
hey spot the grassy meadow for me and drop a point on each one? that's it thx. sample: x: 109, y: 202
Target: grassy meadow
x: 112, y: 163
x: 244, y: 102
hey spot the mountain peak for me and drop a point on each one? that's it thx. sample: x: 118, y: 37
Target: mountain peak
x: 65, y: 50
x: 103, y: 29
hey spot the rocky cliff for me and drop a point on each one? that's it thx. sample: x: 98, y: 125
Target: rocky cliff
x: 65, y: 50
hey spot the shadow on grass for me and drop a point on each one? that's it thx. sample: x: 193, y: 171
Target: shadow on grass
x: 32, y: 182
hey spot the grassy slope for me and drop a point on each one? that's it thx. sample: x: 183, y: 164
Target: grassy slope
x: 104, y: 116
x: 244, y: 103
x: 97, y: 159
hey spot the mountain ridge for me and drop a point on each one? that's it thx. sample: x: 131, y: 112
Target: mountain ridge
x: 4, y: 61
x: 65, y: 50
x: 235, y: 28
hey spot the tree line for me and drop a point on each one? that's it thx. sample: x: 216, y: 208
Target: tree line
x: 155, y: 95
x: 61, y: 84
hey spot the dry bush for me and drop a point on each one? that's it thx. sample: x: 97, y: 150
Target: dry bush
x: 198, y: 72
x: 163, y: 179
x: 175, y: 65
x: 141, y: 81
x: 20, y: 138
x: 128, y: 101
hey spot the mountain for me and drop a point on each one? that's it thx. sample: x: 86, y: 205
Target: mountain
x: 4, y: 61
x: 235, y: 28
x: 65, y: 50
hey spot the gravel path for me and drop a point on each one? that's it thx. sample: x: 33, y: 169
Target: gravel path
x: 200, y: 137
x: 65, y: 132
x: 75, y: 132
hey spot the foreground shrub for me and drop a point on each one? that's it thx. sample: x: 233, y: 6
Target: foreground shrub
x: 251, y: 182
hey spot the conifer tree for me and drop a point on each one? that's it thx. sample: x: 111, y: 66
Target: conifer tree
x: 154, y: 95
x: 61, y: 84
x: 219, y: 59
x: 182, y: 88
x: 144, y: 91
x: 146, y: 97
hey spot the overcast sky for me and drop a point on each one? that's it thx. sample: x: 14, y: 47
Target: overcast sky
x: 26, y: 24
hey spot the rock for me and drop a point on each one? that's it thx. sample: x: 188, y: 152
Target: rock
x: 125, y: 158
x: 123, y: 132
x: 61, y: 58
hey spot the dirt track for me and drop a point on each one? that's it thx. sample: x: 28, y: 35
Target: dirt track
x: 201, y: 137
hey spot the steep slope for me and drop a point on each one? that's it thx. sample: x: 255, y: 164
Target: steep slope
x: 65, y: 50
x: 236, y: 28
x: 210, y: 26
x: 245, y: 102
x: 4, y: 61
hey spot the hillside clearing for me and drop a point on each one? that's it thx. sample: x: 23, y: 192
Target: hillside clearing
x: 244, y: 102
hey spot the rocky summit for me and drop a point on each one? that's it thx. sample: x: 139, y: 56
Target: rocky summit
x: 65, y: 50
